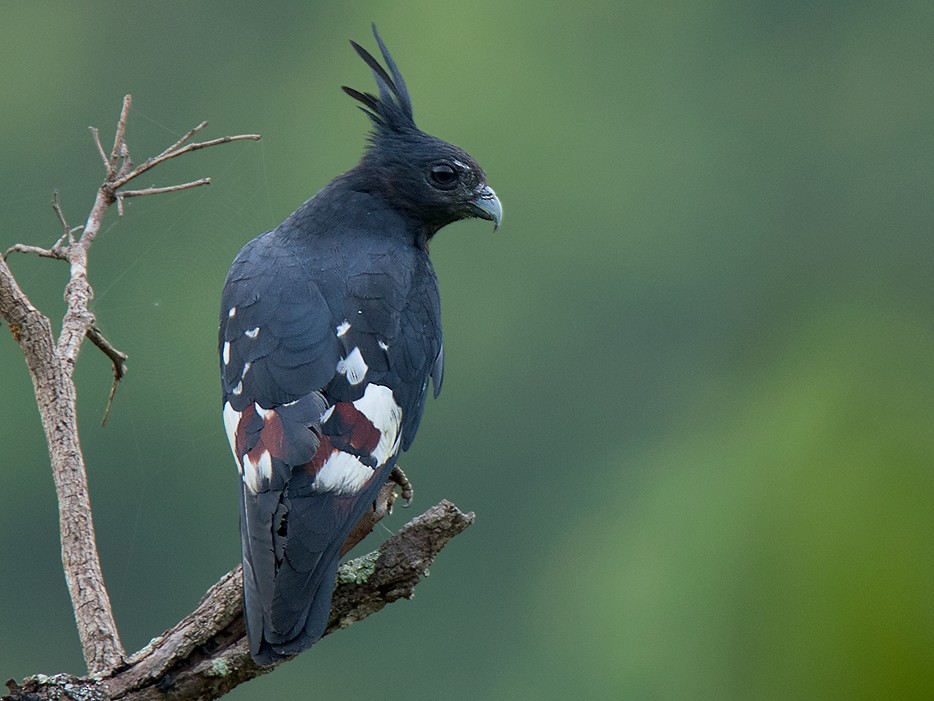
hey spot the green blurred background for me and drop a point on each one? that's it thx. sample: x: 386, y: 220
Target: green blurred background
x: 689, y: 381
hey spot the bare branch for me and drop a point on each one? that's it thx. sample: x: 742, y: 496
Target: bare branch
x: 119, y: 149
x: 162, y: 190
x: 121, y: 194
x: 118, y: 358
x: 206, y: 654
x: 53, y: 252
x: 95, y: 134
x: 58, y: 250
x: 30, y: 327
x: 68, y: 232
x: 166, y: 155
x: 55, y: 397
x: 57, y: 208
x: 187, y: 135
x: 51, y: 364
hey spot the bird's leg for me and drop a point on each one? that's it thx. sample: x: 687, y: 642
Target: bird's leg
x: 408, y: 492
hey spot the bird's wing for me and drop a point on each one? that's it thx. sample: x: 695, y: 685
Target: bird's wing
x: 422, y: 329
x: 324, y: 369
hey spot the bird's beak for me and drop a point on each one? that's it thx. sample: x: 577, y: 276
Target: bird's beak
x: 487, y: 206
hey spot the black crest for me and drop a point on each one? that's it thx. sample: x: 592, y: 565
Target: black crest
x: 391, y: 112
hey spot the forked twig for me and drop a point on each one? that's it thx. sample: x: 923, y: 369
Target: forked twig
x: 59, y: 249
x: 174, y: 153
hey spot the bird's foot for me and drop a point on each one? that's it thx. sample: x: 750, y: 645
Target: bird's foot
x: 408, y: 492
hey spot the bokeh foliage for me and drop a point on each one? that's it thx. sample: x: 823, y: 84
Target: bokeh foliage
x: 689, y: 382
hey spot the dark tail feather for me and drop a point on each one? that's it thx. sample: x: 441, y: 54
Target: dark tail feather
x: 310, y: 625
x: 300, y: 606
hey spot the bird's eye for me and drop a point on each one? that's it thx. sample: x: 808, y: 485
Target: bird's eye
x: 443, y: 175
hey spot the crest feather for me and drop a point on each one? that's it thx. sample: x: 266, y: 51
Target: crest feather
x: 392, y: 110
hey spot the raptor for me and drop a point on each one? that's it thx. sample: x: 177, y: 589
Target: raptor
x: 330, y: 331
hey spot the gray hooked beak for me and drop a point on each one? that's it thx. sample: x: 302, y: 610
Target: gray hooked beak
x: 487, y: 206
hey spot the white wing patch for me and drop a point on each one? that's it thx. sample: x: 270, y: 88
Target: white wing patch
x: 342, y: 473
x: 379, y: 405
x: 343, y: 328
x: 257, y: 475
x: 252, y: 333
x: 231, y: 421
x: 226, y: 352
x: 353, y: 367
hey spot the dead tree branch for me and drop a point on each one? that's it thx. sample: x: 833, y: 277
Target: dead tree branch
x: 206, y: 654
x: 51, y: 362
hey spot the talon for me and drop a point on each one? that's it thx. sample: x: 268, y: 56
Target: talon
x: 399, y: 477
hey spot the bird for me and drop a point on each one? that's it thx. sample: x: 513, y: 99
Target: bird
x: 330, y: 331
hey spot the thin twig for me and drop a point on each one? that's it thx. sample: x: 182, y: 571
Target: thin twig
x: 161, y: 190
x: 53, y: 252
x: 57, y: 208
x: 100, y: 147
x: 119, y: 149
x: 121, y: 194
x: 187, y: 135
x: 152, y: 162
x: 58, y: 251
x: 118, y: 358
x: 68, y: 232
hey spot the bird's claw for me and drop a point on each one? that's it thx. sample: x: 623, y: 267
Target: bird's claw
x: 399, y: 477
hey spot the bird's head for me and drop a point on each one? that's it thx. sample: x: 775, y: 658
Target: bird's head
x: 428, y: 180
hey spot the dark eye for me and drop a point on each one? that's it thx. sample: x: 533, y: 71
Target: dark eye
x: 443, y: 175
